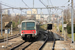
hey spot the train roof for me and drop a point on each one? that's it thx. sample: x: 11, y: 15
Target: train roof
x: 29, y: 21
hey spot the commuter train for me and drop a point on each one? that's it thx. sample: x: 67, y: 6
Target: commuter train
x: 28, y: 29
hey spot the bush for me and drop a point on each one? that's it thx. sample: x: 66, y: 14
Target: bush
x: 60, y: 28
x: 69, y: 28
x: 13, y: 24
x: 74, y: 28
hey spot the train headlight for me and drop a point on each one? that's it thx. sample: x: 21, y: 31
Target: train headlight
x: 22, y: 32
x: 34, y: 27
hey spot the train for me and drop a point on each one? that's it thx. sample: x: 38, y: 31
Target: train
x: 28, y: 29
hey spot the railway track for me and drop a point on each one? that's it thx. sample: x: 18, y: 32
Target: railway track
x: 25, y: 45
x: 53, y: 45
x: 9, y: 38
x: 44, y: 43
x: 47, y: 38
x: 22, y: 46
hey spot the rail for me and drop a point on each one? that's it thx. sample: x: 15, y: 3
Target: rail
x: 17, y: 46
x: 53, y: 45
x: 44, y: 43
x: 9, y: 38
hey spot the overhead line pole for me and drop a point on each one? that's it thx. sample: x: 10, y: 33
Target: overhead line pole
x: 72, y: 31
x: 1, y: 19
x: 33, y: 3
x: 62, y: 22
x: 20, y: 21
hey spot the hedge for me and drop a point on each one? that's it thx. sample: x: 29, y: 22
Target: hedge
x: 69, y: 28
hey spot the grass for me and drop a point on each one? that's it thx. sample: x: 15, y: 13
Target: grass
x: 4, y: 35
x: 69, y: 35
x: 43, y: 26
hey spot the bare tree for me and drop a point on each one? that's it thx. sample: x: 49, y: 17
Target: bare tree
x: 67, y: 15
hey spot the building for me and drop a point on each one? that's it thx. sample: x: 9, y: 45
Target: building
x: 6, y: 12
x: 34, y: 11
x: 45, y: 17
x: 13, y: 15
x: 28, y: 13
x: 17, y: 14
x: 38, y: 17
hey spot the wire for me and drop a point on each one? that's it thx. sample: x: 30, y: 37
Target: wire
x: 33, y: 3
x: 25, y: 3
x: 47, y: 8
x: 48, y: 2
x: 43, y: 3
x: 65, y: 3
x: 7, y: 4
x: 51, y: 2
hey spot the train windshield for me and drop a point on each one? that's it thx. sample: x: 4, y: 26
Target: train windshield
x: 23, y: 26
x: 30, y: 26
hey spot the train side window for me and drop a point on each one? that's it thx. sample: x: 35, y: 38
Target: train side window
x: 23, y: 26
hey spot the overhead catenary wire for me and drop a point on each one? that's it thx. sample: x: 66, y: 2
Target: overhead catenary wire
x: 65, y: 3
x: 47, y: 8
x: 11, y: 7
x: 48, y: 2
x: 7, y: 3
x: 51, y: 2
x: 25, y: 3
x: 33, y: 3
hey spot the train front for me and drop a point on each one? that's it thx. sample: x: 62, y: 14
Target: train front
x: 28, y: 30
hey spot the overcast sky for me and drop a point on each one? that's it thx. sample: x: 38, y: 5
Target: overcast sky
x: 19, y: 3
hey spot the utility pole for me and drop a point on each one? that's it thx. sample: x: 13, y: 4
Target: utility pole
x: 57, y: 23
x: 1, y: 19
x: 62, y: 23
x: 50, y: 16
x: 33, y: 3
x: 11, y: 25
x: 20, y: 21
x: 72, y: 31
x: 11, y: 28
x: 19, y: 24
x: 1, y: 24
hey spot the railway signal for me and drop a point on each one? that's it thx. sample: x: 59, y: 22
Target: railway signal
x: 49, y: 26
x: 8, y: 24
x: 7, y: 30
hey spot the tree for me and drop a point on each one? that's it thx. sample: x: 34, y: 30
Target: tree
x: 67, y: 15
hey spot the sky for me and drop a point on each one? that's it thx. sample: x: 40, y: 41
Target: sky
x: 37, y: 3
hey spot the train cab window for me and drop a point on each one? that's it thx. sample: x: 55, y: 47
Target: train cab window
x: 30, y: 25
x: 23, y: 26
